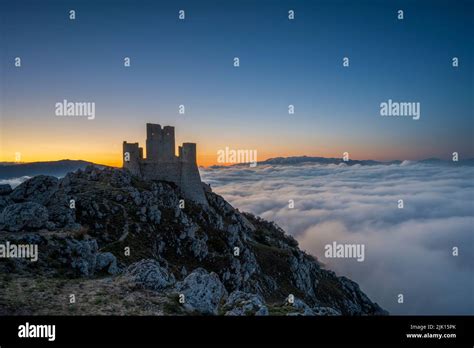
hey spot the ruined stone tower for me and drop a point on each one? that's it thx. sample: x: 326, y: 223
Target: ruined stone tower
x: 161, y: 162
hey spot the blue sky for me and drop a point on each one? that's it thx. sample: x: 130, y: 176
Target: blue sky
x: 282, y: 62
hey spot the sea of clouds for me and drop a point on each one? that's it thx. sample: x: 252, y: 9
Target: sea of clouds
x: 14, y: 182
x: 407, y: 251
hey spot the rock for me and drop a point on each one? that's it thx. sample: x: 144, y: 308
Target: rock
x: 82, y: 255
x: 301, y: 307
x: 108, y: 262
x: 24, y: 216
x: 203, y: 291
x: 242, y: 303
x: 154, y: 214
x: 4, y: 202
x: 356, y: 302
x: 59, y: 210
x: 38, y: 189
x: 120, y: 178
x: 184, y: 272
x: 304, y: 272
x: 5, y: 189
x: 249, y: 264
x: 199, y: 248
x: 149, y: 274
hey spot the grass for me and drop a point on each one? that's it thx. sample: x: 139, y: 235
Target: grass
x: 172, y: 305
x: 50, y: 296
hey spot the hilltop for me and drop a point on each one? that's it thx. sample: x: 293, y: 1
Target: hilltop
x: 129, y: 246
x: 9, y: 170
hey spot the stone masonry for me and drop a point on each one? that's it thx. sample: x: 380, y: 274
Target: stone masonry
x: 161, y: 162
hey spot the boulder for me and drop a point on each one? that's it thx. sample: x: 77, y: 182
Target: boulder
x: 24, y: 216
x: 242, y: 303
x: 150, y: 275
x: 82, y: 255
x: 301, y: 308
x: 106, y: 262
x: 59, y: 210
x: 38, y: 189
x: 203, y: 291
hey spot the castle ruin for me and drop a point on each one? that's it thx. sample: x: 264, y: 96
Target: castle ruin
x: 161, y: 162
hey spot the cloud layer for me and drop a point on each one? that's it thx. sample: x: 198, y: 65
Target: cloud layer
x: 407, y: 251
x: 14, y: 182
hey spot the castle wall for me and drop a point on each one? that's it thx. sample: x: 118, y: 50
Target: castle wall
x: 160, y: 143
x: 183, y: 174
x: 132, y: 157
x: 188, y: 152
x: 168, y: 145
x: 168, y: 171
x: 191, y: 182
x: 161, y: 163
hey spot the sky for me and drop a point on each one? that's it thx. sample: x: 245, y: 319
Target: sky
x: 282, y: 62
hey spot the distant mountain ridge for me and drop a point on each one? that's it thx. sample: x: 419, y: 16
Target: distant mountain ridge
x: 60, y: 168
x: 332, y: 160
x: 322, y: 160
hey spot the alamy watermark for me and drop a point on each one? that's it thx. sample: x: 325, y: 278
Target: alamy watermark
x: 404, y: 109
x: 227, y: 156
x: 67, y: 108
x: 19, y: 251
x: 345, y: 251
x: 28, y: 330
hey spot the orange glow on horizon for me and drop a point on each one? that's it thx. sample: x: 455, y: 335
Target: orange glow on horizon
x: 56, y: 140
x: 115, y: 160
x: 35, y: 147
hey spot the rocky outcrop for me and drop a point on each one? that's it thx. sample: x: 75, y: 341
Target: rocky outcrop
x: 203, y: 292
x: 38, y: 189
x: 99, y: 222
x: 242, y: 303
x: 82, y: 255
x: 300, y: 308
x: 149, y: 274
x: 21, y: 216
x: 106, y: 262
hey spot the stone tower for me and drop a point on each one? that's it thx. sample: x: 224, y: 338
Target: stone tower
x: 161, y: 162
x: 160, y: 145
